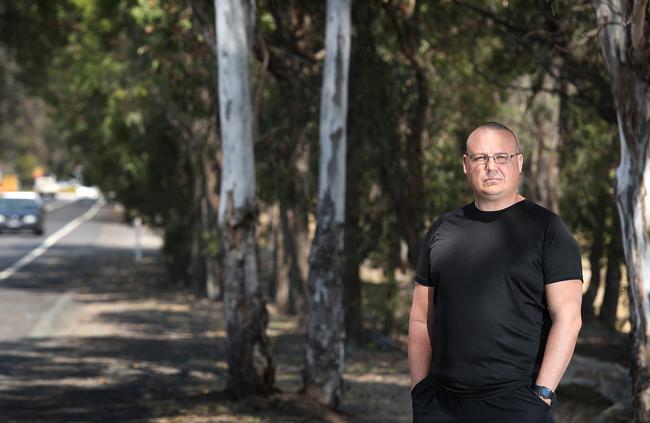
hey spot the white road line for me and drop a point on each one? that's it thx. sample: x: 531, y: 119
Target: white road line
x: 46, y: 322
x: 51, y: 240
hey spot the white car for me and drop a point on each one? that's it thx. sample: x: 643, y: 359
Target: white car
x: 46, y: 186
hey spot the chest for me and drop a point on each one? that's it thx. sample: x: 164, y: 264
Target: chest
x: 478, y: 256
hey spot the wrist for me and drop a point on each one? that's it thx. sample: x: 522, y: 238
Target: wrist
x: 543, y: 392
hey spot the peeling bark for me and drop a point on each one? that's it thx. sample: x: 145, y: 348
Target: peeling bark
x: 250, y: 368
x: 323, y: 377
x: 625, y: 43
x: 326, y: 331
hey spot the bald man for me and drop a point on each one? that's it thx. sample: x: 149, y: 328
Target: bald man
x: 496, y: 304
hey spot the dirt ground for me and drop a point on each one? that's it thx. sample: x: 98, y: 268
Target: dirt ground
x: 133, y: 348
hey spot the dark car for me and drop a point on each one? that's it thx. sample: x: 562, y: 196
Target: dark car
x: 21, y: 210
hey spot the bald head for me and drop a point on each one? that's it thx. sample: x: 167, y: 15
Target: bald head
x: 493, y: 182
x: 492, y: 126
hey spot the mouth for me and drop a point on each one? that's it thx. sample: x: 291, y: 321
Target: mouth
x: 491, y: 180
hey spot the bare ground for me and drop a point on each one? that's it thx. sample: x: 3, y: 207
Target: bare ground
x: 130, y: 347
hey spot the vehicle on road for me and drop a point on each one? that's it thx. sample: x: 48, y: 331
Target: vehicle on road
x: 21, y: 210
x: 46, y: 186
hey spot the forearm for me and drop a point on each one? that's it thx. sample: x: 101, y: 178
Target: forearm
x: 419, y: 350
x: 559, y: 349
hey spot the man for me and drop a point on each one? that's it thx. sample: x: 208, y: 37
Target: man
x: 496, y: 303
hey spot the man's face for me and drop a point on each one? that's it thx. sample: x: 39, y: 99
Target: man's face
x: 489, y: 179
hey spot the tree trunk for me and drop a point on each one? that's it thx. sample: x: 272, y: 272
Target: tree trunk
x: 289, y: 296
x: 351, y: 278
x: 613, y: 276
x: 595, y: 254
x: 625, y: 44
x: 198, y: 269
x: 546, y: 115
x: 214, y: 254
x: 325, y: 353
x: 250, y: 369
x: 353, y: 194
x: 405, y: 183
x: 391, y: 287
x: 300, y: 231
x: 282, y: 263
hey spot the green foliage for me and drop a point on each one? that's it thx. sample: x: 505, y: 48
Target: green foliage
x: 26, y: 130
x: 132, y: 90
x: 128, y: 83
x: 589, y: 174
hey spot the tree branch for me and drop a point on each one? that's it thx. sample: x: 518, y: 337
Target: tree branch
x: 638, y: 21
x: 204, y: 24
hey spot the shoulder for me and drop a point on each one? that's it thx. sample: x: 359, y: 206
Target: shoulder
x: 545, y: 217
x: 553, y: 229
x: 538, y: 210
x: 442, y: 220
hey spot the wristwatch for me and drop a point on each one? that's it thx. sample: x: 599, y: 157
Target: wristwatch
x: 543, y: 391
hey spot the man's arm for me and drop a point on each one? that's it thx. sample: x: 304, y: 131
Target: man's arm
x: 564, y: 301
x: 419, y: 346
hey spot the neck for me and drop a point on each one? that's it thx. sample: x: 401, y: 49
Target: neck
x: 490, y: 204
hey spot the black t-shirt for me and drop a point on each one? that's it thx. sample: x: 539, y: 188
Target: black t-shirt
x: 488, y: 270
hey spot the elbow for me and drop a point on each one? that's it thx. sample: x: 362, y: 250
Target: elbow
x: 577, y: 324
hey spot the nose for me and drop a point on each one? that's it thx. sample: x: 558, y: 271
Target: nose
x: 491, y: 163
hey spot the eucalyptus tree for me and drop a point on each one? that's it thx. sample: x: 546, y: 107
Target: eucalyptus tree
x: 325, y: 351
x: 624, y: 27
x: 250, y: 366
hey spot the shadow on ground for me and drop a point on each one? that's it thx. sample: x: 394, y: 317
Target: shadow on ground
x: 132, y: 347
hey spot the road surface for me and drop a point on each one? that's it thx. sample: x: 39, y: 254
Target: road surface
x: 44, y: 280
x: 40, y: 273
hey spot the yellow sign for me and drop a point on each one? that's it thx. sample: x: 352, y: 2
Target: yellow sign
x: 9, y: 182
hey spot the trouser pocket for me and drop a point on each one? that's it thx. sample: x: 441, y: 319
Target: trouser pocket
x: 420, y: 391
x: 540, y: 401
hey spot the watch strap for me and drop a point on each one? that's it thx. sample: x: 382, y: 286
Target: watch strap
x: 543, y: 391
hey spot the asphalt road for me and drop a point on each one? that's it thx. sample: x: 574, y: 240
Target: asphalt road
x: 39, y: 273
x: 57, y: 357
x: 14, y: 245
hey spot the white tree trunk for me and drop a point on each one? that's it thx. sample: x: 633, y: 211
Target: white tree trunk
x: 326, y: 331
x: 546, y: 119
x: 625, y: 41
x: 250, y: 367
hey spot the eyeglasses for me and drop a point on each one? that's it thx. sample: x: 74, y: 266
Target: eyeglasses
x: 501, y: 158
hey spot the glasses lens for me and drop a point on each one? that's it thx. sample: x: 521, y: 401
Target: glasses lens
x: 478, y: 158
x: 502, y: 158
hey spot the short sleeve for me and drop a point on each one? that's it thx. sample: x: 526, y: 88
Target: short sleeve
x: 561, y: 257
x: 423, y: 269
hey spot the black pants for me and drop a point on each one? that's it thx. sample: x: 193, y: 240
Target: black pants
x: 432, y: 404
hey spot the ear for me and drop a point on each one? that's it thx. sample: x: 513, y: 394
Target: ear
x: 520, y: 162
x: 464, y: 164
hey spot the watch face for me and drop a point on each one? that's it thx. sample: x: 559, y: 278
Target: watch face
x: 544, y: 391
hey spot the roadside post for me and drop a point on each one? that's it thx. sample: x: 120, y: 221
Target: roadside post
x: 137, y: 226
